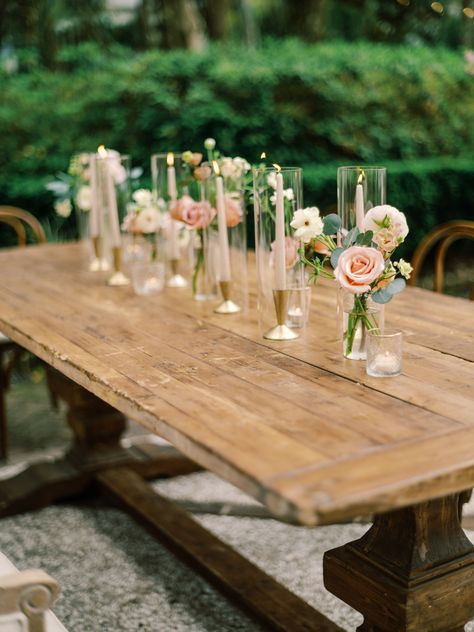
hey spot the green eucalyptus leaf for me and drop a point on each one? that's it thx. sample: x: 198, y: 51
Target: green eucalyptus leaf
x: 335, y: 256
x: 382, y: 296
x: 331, y: 223
x: 350, y: 238
x: 396, y: 286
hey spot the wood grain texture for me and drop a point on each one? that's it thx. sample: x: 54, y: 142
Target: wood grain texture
x: 293, y: 423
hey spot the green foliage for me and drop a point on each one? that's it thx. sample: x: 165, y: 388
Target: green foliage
x: 303, y: 104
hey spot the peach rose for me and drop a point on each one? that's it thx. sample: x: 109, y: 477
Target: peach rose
x: 358, y: 267
x: 177, y: 208
x: 233, y: 211
x: 203, y: 172
x: 198, y: 214
x: 320, y: 248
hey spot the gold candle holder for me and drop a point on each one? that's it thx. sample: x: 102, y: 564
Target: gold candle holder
x: 176, y: 280
x: 118, y: 278
x: 98, y: 263
x: 227, y: 306
x: 281, y: 331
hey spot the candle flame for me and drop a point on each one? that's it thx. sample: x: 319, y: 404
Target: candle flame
x: 361, y: 177
x: 277, y: 167
x: 215, y: 166
x: 263, y: 155
x: 170, y: 159
x: 101, y: 150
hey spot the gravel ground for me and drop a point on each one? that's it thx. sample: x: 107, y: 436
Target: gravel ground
x: 115, y: 577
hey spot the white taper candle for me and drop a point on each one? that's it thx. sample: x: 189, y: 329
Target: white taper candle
x: 279, y: 252
x: 224, y: 257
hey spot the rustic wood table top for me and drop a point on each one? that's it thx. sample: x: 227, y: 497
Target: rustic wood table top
x: 293, y: 423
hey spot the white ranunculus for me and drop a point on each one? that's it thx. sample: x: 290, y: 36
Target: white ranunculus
x: 143, y: 197
x: 307, y: 223
x: 388, y: 224
x: 63, y: 208
x: 241, y: 164
x: 287, y: 193
x: 84, y: 198
x: 148, y: 220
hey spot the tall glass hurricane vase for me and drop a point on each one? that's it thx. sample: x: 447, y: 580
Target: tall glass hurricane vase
x: 228, y: 197
x: 277, y: 195
x: 111, y: 196
x: 358, y: 190
x: 173, y: 183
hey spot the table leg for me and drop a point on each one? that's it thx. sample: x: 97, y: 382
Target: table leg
x: 412, y: 571
x: 97, y: 430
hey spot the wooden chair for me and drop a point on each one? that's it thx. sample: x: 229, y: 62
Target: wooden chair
x: 16, y: 218
x: 443, y: 236
x: 25, y: 599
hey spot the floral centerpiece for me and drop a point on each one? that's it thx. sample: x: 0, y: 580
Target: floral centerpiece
x: 196, y: 209
x: 142, y: 221
x: 362, y: 264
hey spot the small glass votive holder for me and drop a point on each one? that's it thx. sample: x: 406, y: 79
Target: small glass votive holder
x: 299, y: 304
x: 148, y: 277
x: 384, y: 352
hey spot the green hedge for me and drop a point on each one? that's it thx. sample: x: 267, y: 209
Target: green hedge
x: 308, y: 105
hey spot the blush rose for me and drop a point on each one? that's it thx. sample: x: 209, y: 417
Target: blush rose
x: 198, y: 215
x: 358, y: 267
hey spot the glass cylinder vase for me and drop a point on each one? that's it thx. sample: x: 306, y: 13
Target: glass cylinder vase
x: 173, y: 185
x: 358, y: 190
x: 110, y: 185
x: 227, y: 197
x: 277, y: 195
x: 360, y: 314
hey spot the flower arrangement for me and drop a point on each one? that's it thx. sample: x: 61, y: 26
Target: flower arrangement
x: 198, y: 213
x: 362, y: 264
x: 144, y: 218
x: 72, y: 189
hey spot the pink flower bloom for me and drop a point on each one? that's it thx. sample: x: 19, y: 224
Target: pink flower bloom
x: 177, y: 208
x: 291, y: 252
x: 320, y: 248
x: 233, y: 211
x: 358, y: 267
x: 198, y: 214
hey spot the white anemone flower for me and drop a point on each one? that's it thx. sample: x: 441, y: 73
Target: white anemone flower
x: 307, y: 223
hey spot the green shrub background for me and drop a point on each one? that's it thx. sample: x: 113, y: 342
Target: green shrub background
x: 318, y: 106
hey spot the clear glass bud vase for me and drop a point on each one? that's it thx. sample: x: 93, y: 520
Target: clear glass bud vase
x: 359, y: 314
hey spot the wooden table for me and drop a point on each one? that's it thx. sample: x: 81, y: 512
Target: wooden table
x: 293, y: 424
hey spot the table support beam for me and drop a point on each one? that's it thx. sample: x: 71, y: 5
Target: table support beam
x: 413, y: 570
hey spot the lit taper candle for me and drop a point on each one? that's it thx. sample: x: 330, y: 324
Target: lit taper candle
x: 359, y: 202
x: 279, y: 251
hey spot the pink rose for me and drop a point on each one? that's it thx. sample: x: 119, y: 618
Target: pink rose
x: 358, y: 267
x: 177, y: 208
x: 198, y: 214
x: 233, y: 212
x: 291, y: 252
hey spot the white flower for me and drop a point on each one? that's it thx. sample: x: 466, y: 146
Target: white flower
x: 272, y: 180
x: 241, y: 164
x: 388, y: 224
x: 116, y: 169
x: 209, y: 143
x: 143, y: 197
x: 148, y: 220
x: 307, y: 224
x: 404, y: 267
x: 287, y: 193
x: 63, y: 208
x: 84, y: 198
x: 228, y: 169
